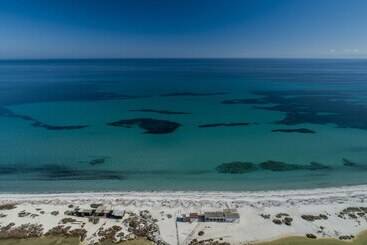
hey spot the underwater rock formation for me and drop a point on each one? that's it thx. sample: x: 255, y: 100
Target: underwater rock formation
x: 54, y: 127
x: 166, y: 112
x: 349, y: 163
x: 97, y: 160
x: 36, y: 123
x: 279, y: 166
x: 316, y: 166
x: 315, y: 107
x: 151, y: 126
x: 295, y: 130
x: 282, y: 166
x: 212, y: 125
x: 60, y: 172
x: 192, y: 94
x: 236, y: 167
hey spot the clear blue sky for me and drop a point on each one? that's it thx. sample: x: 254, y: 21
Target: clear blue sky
x: 186, y: 28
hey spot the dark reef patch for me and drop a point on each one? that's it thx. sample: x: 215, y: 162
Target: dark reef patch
x: 97, y: 160
x: 315, y: 107
x: 213, y: 125
x: 166, y: 112
x: 349, y: 163
x: 166, y: 172
x: 236, y: 167
x: 295, y: 130
x: 193, y: 94
x: 54, y: 127
x: 60, y: 172
x: 317, y: 166
x: 244, y: 101
x: 278, y: 166
x: 36, y: 123
x: 151, y: 126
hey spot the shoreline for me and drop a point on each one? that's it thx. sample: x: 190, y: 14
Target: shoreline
x: 322, y: 212
x: 282, y: 191
x: 355, y: 192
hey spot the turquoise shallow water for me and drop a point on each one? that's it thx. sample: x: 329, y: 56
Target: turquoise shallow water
x: 325, y: 96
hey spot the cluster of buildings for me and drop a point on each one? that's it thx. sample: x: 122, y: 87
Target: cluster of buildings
x: 98, y: 210
x: 227, y: 215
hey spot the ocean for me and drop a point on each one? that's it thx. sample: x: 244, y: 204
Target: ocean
x: 182, y: 124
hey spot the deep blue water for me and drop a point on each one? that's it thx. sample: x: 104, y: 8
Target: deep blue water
x: 167, y: 124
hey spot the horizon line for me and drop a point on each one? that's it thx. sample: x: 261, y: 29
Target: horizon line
x: 184, y: 58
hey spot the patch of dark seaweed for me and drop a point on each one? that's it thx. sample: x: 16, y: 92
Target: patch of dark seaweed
x: 151, y: 126
x: 4, y: 170
x: 315, y: 107
x: 349, y: 163
x: 56, y: 172
x: 296, y: 130
x: 236, y: 167
x: 316, y: 166
x: 234, y: 124
x: 193, y: 94
x: 36, y: 123
x: 84, y: 175
x: 166, y: 172
x: 278, y: 166
x: 62, y: 172
x: 244, y: 101
x: 97, y: 160
x: 166, y: 112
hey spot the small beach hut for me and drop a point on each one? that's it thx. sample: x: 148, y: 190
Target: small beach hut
x: 85, y: 212
x: 231, y: 215
x: 214, y: 216
x: 227, y: 215
x: 117, y: 214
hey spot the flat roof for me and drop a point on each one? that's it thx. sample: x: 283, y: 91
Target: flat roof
x: 225, y: 214
x: 214, y: 214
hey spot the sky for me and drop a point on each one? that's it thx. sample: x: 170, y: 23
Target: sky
x: 186, y: 28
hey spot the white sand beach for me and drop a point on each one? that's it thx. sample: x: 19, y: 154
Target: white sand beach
x: 257, y: 210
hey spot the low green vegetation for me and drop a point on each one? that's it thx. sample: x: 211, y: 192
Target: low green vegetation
x: 359, y: 240
x: 139, y: 241
x: 42, y: 241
